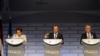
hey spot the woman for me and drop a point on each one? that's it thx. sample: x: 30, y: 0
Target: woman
x: 20, y: 35
x: 19, y: 49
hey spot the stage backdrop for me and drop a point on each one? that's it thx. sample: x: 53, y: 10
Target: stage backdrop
x: 35, y: 34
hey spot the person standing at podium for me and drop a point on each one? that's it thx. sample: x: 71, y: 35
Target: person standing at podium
x: 18, y: 49
x: 55, y: 34
x: 19, y: 35
x: 88, y: 33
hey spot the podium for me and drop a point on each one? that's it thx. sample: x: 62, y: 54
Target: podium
x: 15, y: 47
x: 91, y: 47
x: 52, y: 47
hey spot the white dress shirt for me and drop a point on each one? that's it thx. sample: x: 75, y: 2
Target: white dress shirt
x: 89, y: 35
x: 15, y: 36
x: 55, y: 35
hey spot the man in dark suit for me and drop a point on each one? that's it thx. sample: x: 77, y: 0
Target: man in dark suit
x: 88, y: 33
x: 55, y: 34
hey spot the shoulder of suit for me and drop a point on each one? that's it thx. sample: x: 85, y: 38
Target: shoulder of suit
x: 60, y: 33
x: 93, y: 32
x: 51, y: 33
x: 23, y: 35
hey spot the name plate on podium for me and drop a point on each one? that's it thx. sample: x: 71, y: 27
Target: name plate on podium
x: 14, y: 41
x: 52, y: 41
x: 91, y: 41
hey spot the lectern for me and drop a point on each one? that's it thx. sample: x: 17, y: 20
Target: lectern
x: 52, y: 47
x: 91, y: 47
x: 15, y: 47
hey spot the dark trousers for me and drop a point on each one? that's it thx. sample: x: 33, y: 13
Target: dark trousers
x: 0, y: 53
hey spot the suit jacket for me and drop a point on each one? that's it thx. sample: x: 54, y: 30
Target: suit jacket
x: 59, y: 36
x: 0, y: 47
x: 0, y: 53
x: 84, y: 36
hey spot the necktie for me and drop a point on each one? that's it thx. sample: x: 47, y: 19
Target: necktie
x: 55, y: 35
x: 88, y: 35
